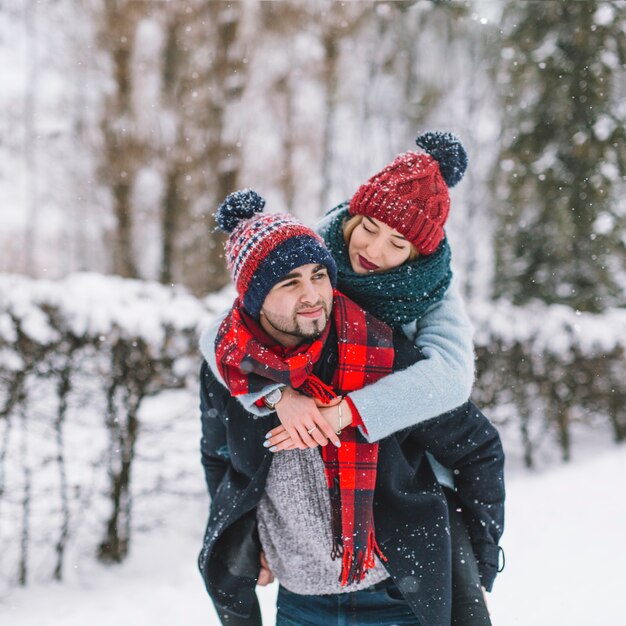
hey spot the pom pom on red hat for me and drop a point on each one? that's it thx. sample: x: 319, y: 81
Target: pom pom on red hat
x: 449, y: 153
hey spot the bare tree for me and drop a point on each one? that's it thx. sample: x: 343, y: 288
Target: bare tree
x: 125, y: 151
x: 31, y: 161
x: 202, y: 80
x: 26, y: 498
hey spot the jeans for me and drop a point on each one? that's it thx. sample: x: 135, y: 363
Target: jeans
x: 379, y: 605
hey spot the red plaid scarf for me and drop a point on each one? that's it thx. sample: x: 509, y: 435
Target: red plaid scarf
x: 248, y: 360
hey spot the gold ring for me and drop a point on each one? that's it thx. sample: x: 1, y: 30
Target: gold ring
x: 311, y: 429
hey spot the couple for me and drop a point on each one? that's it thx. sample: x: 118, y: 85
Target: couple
x: 327, y: 460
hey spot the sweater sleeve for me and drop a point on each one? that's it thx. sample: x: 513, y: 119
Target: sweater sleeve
x: 207, y: 347
x: 439, y: 382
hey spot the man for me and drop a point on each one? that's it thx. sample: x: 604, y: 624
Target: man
x: 362, y: 528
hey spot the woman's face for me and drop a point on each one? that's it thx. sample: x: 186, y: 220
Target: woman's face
x: 375, y: 247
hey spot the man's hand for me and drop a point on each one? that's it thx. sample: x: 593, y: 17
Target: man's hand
x: 302, y: 424
x: 265, y: 575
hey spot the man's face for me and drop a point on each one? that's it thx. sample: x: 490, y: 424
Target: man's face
x: 298, y: 307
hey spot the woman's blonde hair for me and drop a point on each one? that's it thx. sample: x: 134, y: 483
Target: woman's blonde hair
x: 352, y: 222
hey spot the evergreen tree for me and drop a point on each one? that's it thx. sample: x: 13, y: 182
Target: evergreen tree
x: 564, y: 155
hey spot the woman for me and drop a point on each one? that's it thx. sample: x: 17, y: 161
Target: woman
x: 393, y: 260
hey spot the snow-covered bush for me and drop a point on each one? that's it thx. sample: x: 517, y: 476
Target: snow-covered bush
x: 77, y: 359
x: 542, y: 368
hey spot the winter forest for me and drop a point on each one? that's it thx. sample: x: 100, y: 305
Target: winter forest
x: 125, y: 123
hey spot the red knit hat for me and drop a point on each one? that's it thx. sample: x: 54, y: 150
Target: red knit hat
x: 411, y: 194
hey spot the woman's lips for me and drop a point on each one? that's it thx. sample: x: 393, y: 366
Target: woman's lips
x: 367, y: 265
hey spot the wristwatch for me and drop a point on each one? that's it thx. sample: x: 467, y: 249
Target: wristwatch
x: 273, y: 398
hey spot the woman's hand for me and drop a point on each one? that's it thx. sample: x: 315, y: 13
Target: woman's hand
x: 302, y: 424
x: 331, y: 414
x: 321, y: 418
x: 265, y: 575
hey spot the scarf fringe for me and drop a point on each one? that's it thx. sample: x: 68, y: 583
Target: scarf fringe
x: 337, y: 550
x: 335, y: 516
x: 316, y: 388
x: 353, y: 570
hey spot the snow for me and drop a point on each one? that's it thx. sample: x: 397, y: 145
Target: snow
x: 549, y: 329
x: 563, y: 542
x: 158, y: 585
x: 96, y: 304
x: 604, y: 127
x: 604, y: 15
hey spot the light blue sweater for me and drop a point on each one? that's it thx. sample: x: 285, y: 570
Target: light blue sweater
x: 439, y: 383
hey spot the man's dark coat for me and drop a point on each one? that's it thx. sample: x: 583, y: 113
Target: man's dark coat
x: 410, y: 510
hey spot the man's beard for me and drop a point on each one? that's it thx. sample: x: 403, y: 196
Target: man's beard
x: 295, y: 327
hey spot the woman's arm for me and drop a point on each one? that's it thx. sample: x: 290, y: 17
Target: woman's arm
x: 438, y: 383
x: 434, y: 385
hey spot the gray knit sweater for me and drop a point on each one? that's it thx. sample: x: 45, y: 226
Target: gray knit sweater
x: 295, y: 529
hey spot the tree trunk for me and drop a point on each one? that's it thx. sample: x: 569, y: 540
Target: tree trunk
x: 172, y: 211
x: 124, y: 153
x: 114, y: 546
x: 26, y: 502
x: 331, y: 55
x: 123, y: 255
x: 63, y: 392
x: 202, y: 164
x: 30, y: 142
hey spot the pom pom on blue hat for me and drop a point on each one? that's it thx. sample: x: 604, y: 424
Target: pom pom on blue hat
x: 238, y: 206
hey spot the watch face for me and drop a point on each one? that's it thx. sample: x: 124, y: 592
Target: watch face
x: 274, y: 396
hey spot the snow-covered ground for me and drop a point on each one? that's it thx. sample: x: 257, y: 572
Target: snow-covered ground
x: 565, y: 546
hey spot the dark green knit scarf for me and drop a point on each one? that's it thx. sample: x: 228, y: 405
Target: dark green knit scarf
x: 397, y: 296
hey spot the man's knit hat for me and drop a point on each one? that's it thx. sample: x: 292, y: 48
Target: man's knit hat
x: 411, y: 194
x: 264, y: 247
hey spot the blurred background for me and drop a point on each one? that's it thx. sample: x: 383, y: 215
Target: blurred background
x: 123, y: 125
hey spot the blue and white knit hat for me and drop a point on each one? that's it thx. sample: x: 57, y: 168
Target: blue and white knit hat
x: 264, y: 247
